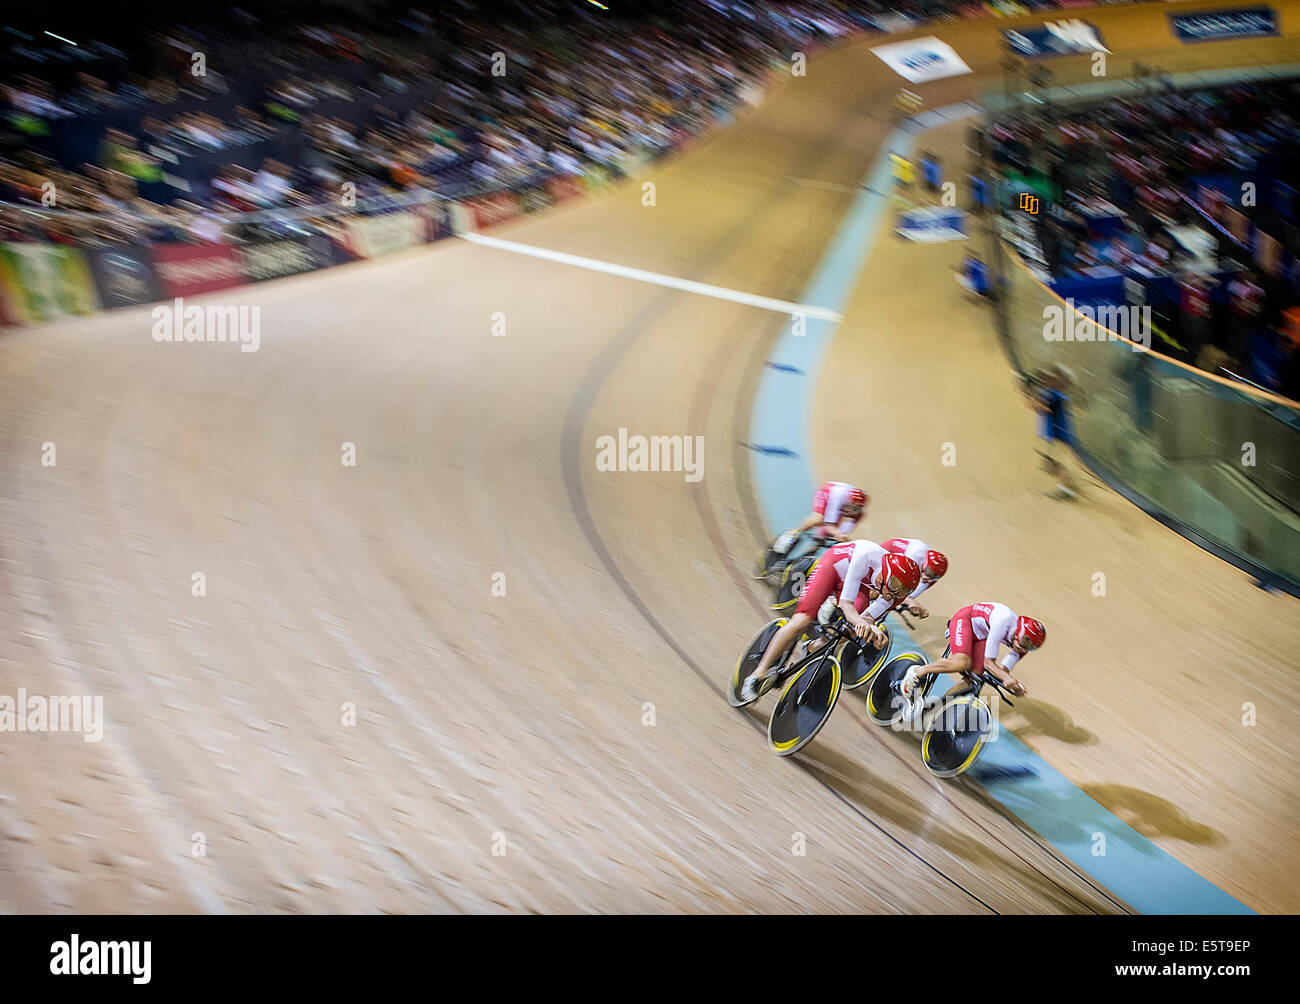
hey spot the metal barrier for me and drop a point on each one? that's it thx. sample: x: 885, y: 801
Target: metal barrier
x: 1217, y: 458
x: 1218, y: 461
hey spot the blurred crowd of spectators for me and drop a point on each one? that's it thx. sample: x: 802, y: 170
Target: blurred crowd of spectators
x: 1195, y: 187
x: 399, y: 100
x: 506, y: 92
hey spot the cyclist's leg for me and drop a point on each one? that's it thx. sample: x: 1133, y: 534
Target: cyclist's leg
x: 962, y: 643
x: 781, y: 642
x: 809, y: 541
x: 784, y: 542
x: 819, y: 587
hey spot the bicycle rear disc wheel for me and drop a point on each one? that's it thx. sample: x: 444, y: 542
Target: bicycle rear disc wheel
x: 956, y: 736
x: 794, y: 579
x: 749, y: 661
x: 793, y: 723
x: 861, y: 662
x: 884, y: 702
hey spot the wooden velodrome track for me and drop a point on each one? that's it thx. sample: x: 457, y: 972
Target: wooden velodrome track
x: 521, y: 721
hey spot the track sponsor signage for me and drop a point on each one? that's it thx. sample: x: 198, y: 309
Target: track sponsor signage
x: 372, y: 236
x: 596, y: 179
x: 638, y: 163
x: 487, y: 210
x: 1219, y: 25
x: 922, y: 59
x: 933, y: 225
x: 892, y: 24
x: 192, y: 269
x: 437, y: 221
x: 43, y: 282
x: 276, y: 259
x: 563, y: 187
x: 535, y: 199
x: 124, y: 277
x: 1067, y: 37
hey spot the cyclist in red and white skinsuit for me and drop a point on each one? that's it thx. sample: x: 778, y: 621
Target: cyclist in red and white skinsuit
x: 837, y: 508
x: 975, y: 635
x: 933, y: 565
x: 850, y: 570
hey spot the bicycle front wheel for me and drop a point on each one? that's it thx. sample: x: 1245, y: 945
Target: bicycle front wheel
x: 794, y: 579
x: 884, y: 701
x: 805, y: 705
x: 862, y: 661
x: 749, y: 661
x: 956, y: 736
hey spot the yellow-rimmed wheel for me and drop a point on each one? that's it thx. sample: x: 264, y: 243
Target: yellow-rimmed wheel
x: 794, y: 578
x: 861, y: 661
x: 749, y: 661
x: 956, y: 735
x: 805, y: 704
x: 884, y: 702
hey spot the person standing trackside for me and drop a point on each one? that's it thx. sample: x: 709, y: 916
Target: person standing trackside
x: 903, y: 178
x: 979, y: 194
x: 902, y: 168
x: 973, y: 276
x: 1198, y: 313
x: 931, y: 173
x: 1048, y: 392
x: 1245, y: 310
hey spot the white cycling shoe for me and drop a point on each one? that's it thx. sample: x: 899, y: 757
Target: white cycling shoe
x: 753, y: 687
x: 914, y: 700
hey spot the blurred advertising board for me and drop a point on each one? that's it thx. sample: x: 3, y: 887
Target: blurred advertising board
x: 274, y: 259
x: 124, y: 276
x: 1219, y: 25
x: 563, y: 187
x: 1067, y: 37
x: 191, y: 269
x: 372, y: 236
x: 485, y: 211
x: 43, y: 282
x: 922, y: 59
x: 932, y: 225
x: 437, y: 221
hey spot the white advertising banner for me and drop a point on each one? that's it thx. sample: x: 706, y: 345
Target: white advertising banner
x: 373, y: 236
x: 922, y: 59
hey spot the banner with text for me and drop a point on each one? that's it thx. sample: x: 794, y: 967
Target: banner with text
x: 1055, y: 38
x: 124, y: 276
x: 932, y: 225
x: 372, y: 236
x: 191, y: 269
x: 1220, y: 25
x: 922, y: 59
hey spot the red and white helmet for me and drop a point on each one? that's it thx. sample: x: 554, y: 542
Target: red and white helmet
x: 936, y: 564
x: 1030, y: 634
x: 857, y: 500
x: 899, y: 575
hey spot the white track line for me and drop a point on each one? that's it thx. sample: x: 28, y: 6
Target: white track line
x: 658, y: 279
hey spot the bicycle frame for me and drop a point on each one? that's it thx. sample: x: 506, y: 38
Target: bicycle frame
x: 834, y: 632
x: 806, y: 544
